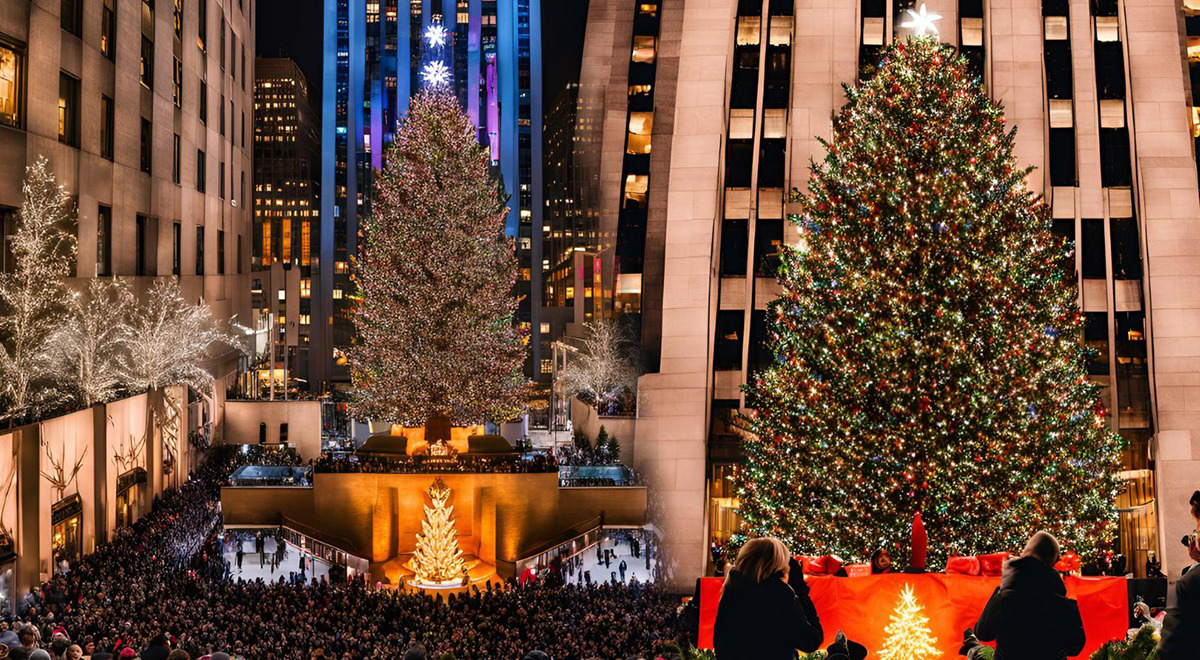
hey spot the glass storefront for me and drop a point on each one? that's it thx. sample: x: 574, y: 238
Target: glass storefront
x: 66, y: 536
x: 129, y: 487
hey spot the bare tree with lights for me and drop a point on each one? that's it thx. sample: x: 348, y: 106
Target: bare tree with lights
x: 90, y: 339
x: 605, y: 366
x: 168, y: 343
x: 32, y: 296
x: 436, y: 337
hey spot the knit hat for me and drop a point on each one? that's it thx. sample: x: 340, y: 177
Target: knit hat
x: 39, y: 654
x: 128, y: 652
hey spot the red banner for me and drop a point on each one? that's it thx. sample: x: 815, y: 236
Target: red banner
x: 862, y: 606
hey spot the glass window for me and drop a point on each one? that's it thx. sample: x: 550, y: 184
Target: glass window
x: 221, y: 180
x: 202, y: 24
x: 1126, y: 249
x: 636, y: 188
x: 103, y: 241
x: 873, y: 31
x: 734, y: 244
x: 220, y: 252
x: 1062, y: 113
x: 771, y: 163
x: 768, y: 247
x: 108, y: 29
x: 72, y: 16
x: 1092, y: 246
x: 10, y: 85
x: 177, y: 249
x: 141, y: 247
x: 68, y: 110
x: 1062, y: 157
x: 177, y: 83
x: 774, y: 123
x: 972, y: 31
x: 1059, y: 83
x: 781, y: 31
x: 107, y: 120
x: 147, y: 144
x: 640, y: 126
x: 748, y: 30
x: 221, y: 111
x: 643, y: 49
x: 179, y: 19
x: 1107, y: 29
x: 147, y: 70
x: 202, y: 107
x: 201, y: 173
x: 1056, y: 28
x: 1095, y: 337
x: 1116, y: 168
x: 1133, y: 380
x: 728, y: 350
x: 176, y: 157
x: 1112, y: 113
x: 739, y: 158
x: 199, y: 250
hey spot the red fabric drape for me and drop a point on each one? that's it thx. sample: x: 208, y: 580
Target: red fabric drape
x: 862, y: 606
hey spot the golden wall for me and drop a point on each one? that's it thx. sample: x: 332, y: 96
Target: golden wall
x: 499, y: 517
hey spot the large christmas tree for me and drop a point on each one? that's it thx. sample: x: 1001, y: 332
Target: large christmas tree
x: 436, y: 337
x: 927, y: 340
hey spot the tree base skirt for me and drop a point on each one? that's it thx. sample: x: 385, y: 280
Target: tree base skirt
x: 862, y: 606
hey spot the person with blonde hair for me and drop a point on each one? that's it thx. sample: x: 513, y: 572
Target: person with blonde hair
x: 765, y: 612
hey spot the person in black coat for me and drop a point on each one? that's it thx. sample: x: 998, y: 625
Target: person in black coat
x: 765, y: 612
x: 1181, y: 627
x: 1029, y: 616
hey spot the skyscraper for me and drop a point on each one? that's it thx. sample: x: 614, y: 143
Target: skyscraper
x: 734, y: 95
x: 291, y: 324
x: 143, y: 110
x: 374, y: 56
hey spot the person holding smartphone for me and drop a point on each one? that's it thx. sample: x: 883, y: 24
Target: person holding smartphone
x: 765, y: 612
x: 1181, y: 627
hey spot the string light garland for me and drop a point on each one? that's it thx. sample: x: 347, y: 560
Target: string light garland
x: 435, y: 331
x: 927, y: 342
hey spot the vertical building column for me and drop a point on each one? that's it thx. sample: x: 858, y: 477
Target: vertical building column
x: 1170, y: 211
x: 673, y: 411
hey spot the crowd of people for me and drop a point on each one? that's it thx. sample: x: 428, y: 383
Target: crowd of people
x: 502, y: 464
x: 162, y: 586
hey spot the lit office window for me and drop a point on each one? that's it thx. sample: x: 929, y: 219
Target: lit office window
x: 10, y: 86
x: 643, y: 49
x: 640, y: 126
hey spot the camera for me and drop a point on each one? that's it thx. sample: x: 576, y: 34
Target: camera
x: 1187, y: 540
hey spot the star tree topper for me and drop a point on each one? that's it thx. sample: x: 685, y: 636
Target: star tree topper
x: 921, y: 21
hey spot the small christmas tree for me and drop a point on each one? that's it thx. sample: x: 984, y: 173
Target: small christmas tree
x: 908, y: 635
x: 438, y: 559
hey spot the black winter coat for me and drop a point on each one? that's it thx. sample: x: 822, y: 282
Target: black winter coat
x: 1181, y: 627
x: 1029, y: 616
x: 766, y: 620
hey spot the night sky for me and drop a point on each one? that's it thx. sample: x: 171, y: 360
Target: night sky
x: 294, y: 28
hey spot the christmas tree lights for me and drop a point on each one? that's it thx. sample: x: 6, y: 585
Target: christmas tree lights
x: 908, y: 634
x: 436, y: 336
x: 927, y: 341
x: 437, y: 559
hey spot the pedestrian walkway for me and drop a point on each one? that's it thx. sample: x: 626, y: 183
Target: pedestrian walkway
x: 635, y: 566
x: 253, y: 568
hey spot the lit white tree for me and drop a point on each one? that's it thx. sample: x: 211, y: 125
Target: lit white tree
x: 168, y: 340
x: 167, y: 345
x: 604, y: 366
x: 89, y: 341
x: 32, y: 296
